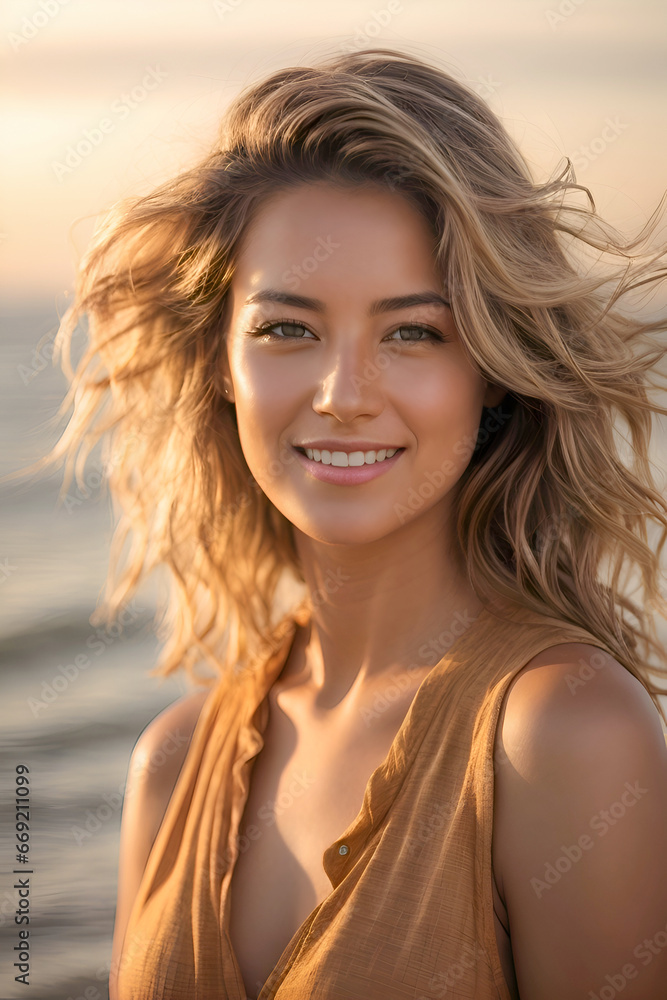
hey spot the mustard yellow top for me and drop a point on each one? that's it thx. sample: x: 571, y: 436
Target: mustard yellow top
x: 411, y: 901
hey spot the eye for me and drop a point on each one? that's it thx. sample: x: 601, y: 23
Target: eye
x: 285, y: 324
x: 267, y: 329
x: 432, y: 334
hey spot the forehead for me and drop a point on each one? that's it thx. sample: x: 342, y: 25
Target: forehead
x: 342, y: 228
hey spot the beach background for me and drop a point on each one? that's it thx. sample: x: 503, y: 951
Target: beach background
x: 582, y: 78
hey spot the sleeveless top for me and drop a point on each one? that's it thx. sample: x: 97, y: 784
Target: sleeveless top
x: 410, y: 913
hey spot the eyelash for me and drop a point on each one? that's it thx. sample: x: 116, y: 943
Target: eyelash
x: 266, y: 329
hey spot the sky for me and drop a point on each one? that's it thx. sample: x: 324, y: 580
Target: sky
x: 140, y: 88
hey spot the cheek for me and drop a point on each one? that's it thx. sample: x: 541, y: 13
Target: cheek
x: 259, y: 393
x: 264, y: 381
x: 447, y: 399
x: 262, y: 401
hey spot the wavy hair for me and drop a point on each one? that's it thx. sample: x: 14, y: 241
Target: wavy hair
x: 554, y: 505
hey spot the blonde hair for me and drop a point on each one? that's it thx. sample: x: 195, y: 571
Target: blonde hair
x: 547, y: 501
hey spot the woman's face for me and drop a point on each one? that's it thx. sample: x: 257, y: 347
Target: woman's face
x: 346, y: 366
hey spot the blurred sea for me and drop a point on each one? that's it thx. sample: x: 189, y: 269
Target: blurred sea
x: 74, y: 726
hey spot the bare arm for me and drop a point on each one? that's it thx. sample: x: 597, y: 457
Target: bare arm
x: 580, y: 828
x: 154, y: 767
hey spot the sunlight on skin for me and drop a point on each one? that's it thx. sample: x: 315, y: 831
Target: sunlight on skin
x: 348, y: 372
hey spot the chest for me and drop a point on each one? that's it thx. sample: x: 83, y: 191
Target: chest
x: 306, y: 787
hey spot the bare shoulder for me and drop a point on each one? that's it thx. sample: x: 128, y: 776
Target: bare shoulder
x: 162, y: 746
x: 572, y: 689
x: 580, y: 820
x: 155, y: 764
x: 574, y: 710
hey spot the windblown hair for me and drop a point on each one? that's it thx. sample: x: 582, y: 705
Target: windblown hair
x: 554, y: 505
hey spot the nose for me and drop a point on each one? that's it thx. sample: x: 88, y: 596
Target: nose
x: 351, y: 383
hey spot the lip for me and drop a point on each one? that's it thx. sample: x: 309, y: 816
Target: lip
x: 329, y: 444
x: 346, y: 475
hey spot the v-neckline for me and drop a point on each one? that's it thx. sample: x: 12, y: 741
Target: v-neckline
x: 265, y: 679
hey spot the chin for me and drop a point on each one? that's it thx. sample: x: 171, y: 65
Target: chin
x: 349, y: 529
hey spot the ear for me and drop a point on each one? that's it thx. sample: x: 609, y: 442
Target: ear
x: 223, y: 384
x: 494, y: 394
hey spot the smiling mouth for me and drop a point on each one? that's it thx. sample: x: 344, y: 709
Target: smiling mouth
x: 354, y: 459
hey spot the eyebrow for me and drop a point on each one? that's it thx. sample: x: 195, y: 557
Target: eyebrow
x: 316, y: 305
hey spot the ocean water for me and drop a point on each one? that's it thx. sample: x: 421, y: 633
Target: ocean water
x: 72, y: 725
x: 75, y: 732
x: 74, y: 697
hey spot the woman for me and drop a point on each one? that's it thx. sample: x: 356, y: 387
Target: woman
x: 356, y: 351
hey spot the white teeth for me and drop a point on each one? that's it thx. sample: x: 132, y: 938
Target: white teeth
x: 342, y: 458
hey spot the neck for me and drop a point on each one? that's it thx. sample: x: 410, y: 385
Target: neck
x: 380, y: 608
